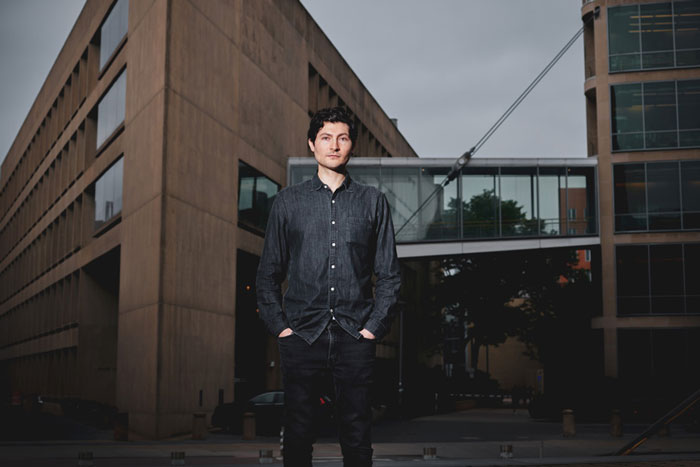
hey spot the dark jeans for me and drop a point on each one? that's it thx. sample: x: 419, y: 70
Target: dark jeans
x: 350, y: 363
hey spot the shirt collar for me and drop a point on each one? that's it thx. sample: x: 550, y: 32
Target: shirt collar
x: 317, y: 184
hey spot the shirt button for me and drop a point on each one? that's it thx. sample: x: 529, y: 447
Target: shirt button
x: 333, y: 201
x: 332, y: 289
x: 325, y: 186
x: 331, y: 310
x: 333, y: 244
x: 332, y: 266
x: 333, y: 222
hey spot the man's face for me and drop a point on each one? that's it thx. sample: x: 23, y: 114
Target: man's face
x: 332, y: 146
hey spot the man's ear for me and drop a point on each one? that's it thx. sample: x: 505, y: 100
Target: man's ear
x: 311, y: 145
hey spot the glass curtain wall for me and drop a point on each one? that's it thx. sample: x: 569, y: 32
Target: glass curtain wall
x: 657, y: 196
x: 651, y: 357
x: 483, y: 203
x: 658, y: 279
x: 654, y: 36
x: 108, y: 194
x: 480, y: 203
x: 113, y: 30
x: 655, y: 115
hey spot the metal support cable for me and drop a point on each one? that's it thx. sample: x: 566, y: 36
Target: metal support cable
x: 464, y: 158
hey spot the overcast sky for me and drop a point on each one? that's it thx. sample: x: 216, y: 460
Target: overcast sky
x: 446, y: 69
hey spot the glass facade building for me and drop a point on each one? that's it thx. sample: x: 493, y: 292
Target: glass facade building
x: 642, y: 89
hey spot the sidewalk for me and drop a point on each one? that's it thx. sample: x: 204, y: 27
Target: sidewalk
x: 469, y: 438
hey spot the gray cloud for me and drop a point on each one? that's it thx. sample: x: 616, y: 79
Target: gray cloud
x: 447, y: 69
x: 32, y: 33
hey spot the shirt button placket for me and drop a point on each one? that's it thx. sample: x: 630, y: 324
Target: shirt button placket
x: 332, y: 257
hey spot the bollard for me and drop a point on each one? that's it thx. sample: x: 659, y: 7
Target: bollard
x: 616, y: 423
x: 85, y: 459
x: 121, y: 426
x: 568, y: 423
x: 265, y: 456
x: 249, y: 425
x: 506, y: 451
x: 199, y: 425
x: 429, y: 453
x: 177, y: 458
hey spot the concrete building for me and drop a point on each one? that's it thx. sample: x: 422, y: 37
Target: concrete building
x: 134, y: 198
x: 642, y: 87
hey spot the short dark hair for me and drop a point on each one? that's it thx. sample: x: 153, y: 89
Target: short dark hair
x: 332, y: 115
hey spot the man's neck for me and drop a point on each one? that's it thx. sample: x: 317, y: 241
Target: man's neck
x: 331, y: 178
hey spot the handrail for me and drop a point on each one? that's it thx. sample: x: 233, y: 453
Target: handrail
x: 676, y: 412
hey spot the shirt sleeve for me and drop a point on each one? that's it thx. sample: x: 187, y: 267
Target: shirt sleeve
x: 387, y: 272
x: 272, y: 270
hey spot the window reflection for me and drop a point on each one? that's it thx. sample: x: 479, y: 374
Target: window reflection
x: 113, y: 30
x: 657, y: 279
x: 655, y: 35
x: 108, y: 194
x: 657, y: 196
x: 517, y: 202
x: 479, y: 203
x: 111, y: 109
x: 256, y: 193
x: 655, y: 115
x: 483, y: 203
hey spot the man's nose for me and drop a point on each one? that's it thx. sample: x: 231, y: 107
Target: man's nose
x: 334, y: 144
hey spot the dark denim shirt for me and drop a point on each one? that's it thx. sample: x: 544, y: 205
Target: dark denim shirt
x: 327, y: 245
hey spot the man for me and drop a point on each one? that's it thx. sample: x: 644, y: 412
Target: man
x: 327, y: 236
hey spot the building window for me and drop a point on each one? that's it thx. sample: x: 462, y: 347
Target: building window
x: 659, y: 115
x: 111, y: 109
x: 256, y: 193
x: 665, y: 356
x: 654, y: 35
x: 657, y: 196
x: 108, y: 194
x: 658, y: 279
x: 113, y: 30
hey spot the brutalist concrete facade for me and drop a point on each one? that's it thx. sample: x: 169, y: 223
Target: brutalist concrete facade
x: 139, y: 313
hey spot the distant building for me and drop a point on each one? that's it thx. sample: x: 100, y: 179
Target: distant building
x: 642, y: 88
x: 134, y: 199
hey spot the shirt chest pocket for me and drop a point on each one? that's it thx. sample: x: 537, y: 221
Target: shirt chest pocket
x: 358, y: 231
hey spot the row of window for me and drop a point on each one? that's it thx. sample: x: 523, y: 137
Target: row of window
x: 656, y: 115
x: 654, y: 35
x: 70, y: 98
x: 656, y: 196
x: 484, y: 202
x: 666, y: 357
x: 662, y: 279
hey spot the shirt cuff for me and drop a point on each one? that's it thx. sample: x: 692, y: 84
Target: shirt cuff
x: 376, y: 328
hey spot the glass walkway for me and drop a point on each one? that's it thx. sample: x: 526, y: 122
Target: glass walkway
x: 493, y: 205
